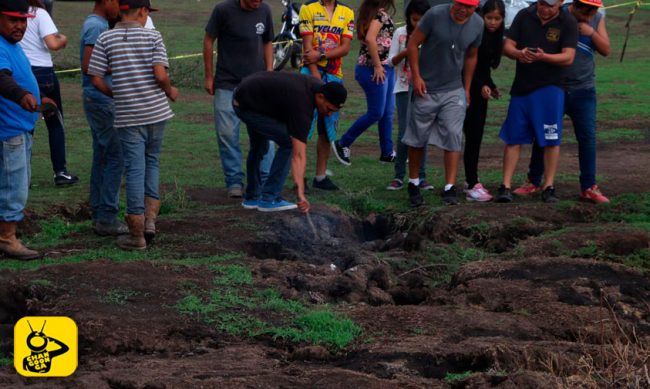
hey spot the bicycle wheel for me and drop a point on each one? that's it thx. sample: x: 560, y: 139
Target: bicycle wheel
x: 282, y: 49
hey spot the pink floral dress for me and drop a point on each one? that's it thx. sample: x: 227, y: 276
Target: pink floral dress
x: 384, y: 38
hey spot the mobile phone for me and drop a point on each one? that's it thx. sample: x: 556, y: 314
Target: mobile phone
x: 532, y: 49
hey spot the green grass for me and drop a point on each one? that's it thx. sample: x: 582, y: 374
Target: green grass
x: 233, y: 309
x: 118, y: 296
x: 54, y: 231
x: 455, y: 377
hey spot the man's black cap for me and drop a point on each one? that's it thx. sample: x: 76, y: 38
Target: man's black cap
x: 335, y: 93
x: 15, y: 8
x: 126, y: 5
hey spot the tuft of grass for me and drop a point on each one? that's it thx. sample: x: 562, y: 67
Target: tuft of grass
x: 232, y: 275
x: 175, y: 200
x: 320, y: 327
x: 455, y: 377
x: 42, y: 282
x: 272, y: 300
x: 118, y: 296
x: 53, y: 232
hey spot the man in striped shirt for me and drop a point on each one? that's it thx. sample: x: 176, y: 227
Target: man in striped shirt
x: 138, y: 61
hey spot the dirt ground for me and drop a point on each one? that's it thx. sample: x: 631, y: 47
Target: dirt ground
x: 529, y: 316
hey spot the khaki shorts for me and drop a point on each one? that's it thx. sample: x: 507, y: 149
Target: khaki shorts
x: 436, y: 119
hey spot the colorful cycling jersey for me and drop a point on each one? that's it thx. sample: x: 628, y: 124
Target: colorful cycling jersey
x: 327, y: 34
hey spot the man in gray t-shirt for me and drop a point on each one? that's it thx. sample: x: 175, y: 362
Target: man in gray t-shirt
x: 244, y: 31
x: 442, y: 71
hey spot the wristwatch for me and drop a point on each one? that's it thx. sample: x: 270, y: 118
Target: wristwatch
x: 322, y: 56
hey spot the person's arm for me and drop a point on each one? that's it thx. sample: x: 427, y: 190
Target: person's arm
x: 310, y: 56
x: 56, y: 41
x: 413, y: 55
x: 101, y: 85
x: 599, y: 36
x: 9, y: 88
x: 469, y: 66
x: 373, y: 50
x: 208, y: 63
x: 298, y: 167
x: 162, y: 78
x: 268, y: 56
x: 395, y: 56
x: 564, y: 58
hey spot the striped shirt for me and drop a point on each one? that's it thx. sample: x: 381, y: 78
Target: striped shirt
x: 131, y: 51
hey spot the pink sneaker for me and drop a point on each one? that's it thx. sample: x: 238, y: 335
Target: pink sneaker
x: 593, y: 195
x: 478, y: 193
x: 526, y: 189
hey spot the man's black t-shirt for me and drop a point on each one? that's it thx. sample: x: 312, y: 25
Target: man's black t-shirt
x: 285, y: 97
x: 527, y: 31
x: 241, y: 36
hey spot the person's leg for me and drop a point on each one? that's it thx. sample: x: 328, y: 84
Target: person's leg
x: 15, y: 156
x: 155, y: 134
x: 401, y: 105
x: 269, y: 128
x: 107, y: 163
x: 49, y: 86
x: 510, y: 159
x: 258, y: 148
x: 227, y: 129
x: 133, y: 149
x: 473, y: 128
x: 536, y: 165
x: 385, y: 124
x: 375, y: 100
x: 551, y: 160
x: 580, y: 105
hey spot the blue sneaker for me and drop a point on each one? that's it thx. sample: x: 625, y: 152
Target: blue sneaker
x: 273, y: 206
x: 249, y: 204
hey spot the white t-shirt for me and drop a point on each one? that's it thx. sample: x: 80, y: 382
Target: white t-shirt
x: 149, y: 23
x: 403, y: 73
x: 32, y: 43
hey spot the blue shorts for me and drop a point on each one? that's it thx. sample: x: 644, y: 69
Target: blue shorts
x: 536, y: 116
x: 328, y: 124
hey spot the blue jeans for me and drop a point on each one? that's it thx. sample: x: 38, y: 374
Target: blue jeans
x: 141, y: 150
x: 227, y: 126
x: 48, y: 84
x: 580, y: 106
x: 327, y: 125
x: 381, y: 104
x: 108, y: 166
x: 261, y: 129
x: 402, y: 102
x: 15, y: 173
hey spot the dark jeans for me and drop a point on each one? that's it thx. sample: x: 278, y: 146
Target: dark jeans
x: 48, y: 85
x: 108, y: 162
x: 473, y: 127
x: 262, y: 129
x: 401, y: 103
x: 580, y: 106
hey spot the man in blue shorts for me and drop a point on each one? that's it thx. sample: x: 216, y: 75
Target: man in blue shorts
x: 543, y: 41
x: 579, y: 101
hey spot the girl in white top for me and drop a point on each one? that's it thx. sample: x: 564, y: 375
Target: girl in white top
x: 41, y: 37
x: 397, y: 59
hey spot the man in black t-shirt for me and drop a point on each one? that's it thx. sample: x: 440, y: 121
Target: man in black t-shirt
x: 280, y: 107
x: 244, y: 31
x: 543, y: 41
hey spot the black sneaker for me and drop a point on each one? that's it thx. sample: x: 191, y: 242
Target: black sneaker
x: 342, y: 153
x: 415, y: 197
x: 64, y: 178
x: 548, y: 195
x: 449, y: 197
x: 324, y: 184
x: 504, y: 195
x: 388, y: 158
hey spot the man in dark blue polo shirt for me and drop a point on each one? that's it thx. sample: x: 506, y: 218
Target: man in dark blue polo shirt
x: 543, y: 41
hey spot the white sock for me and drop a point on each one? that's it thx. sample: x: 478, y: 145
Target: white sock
x: 448, y: 186
x: 414, y: 181
x: 321, y: 178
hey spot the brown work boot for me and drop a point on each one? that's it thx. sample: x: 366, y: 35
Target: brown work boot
x: 151, y: 209
x: 12, y: 247
x: 135, y: 239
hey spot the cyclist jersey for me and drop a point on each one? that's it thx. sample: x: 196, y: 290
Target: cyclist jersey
x: 327, y: 34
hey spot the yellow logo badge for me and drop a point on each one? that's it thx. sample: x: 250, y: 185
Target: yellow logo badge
x: 45, y: 346
x: 553, y: 35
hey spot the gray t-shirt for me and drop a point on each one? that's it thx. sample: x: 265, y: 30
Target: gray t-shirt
x: 582, y: 73
x: 442, y: 54
x: 241, y: 36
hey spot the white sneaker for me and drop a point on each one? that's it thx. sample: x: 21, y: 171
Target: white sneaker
x: 477, y: 193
